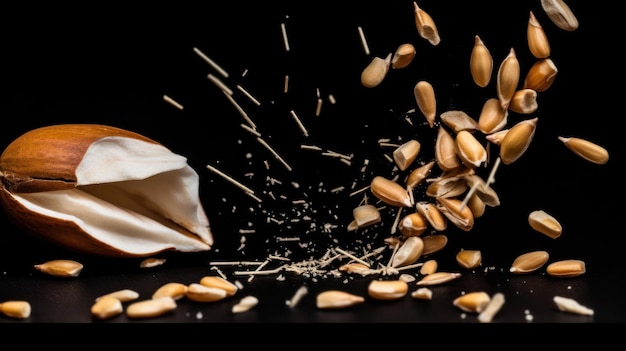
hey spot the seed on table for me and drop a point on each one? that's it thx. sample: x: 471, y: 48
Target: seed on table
x: 356, y: 267
x: 425, y: 97
x: 16, y: 309
x: 387, y: 289
x: 492, y: 308
x: 60, y: 268
x: 245, y: 304
x: 474, y: 302
x: 537, y: 39
x: 469, y: 258
x: 107, y: 307
x: 174, y: 290
x: 438, y: 278
x: 123, y: 295
x: 529, y: 262
x: 541, y: 75
x: 422, y: 294
x: 219, y: 282
x: 201, y: 293
x: 335, y: 299
x: 481, y: 63
x: 545, y: 224
x: 586, y: 149
x: 151, y: 308
x: 570, y: 305
x: 566, y: 268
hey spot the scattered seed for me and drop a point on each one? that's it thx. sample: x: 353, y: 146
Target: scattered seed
x: 16, y: 309
x: 572, y: 306
x: 245, y: 304
x: 151, y: 308
x: 529, y: 262
x: 492, y: 308
x: 336, y: 299
x: 474, y: 302
x: 60, y: 268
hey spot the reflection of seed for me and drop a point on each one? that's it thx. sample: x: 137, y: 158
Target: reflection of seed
x: 387, y: 289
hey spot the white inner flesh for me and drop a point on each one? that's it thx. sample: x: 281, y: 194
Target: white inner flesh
x: 133, y: 195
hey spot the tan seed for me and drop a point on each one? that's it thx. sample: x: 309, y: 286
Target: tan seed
x: 390, y: 192
x: 433, y: 215
x: 151, y: 262
x: 405, y: 154
x: 426, y: 102
x: 409, y: 252
x: 357, y: 268
x: 470, y: 150
x: 201, y: 293
x: 375, y: 72
x: 586, y: 149
x: 459, y: 215
x: 446, y: 153
x: 245, y: 304
x: 438, y: 278
x: 481, y: 63
x: 429, y: 267
x: 403, y: 56
x: 541, y: 75
x: 151, y: 308
x: 219, y: 282
x: 123, y: 295
x: 335, y: 299
x: 16, y: 309
x: 413, y: 224
x: 174, y: 290
x: 425, y: 25
x: 529, y: 262
x: 365, y: 215
x: 434, y: 243
x: 517, y: 139
x: 482, y: 190
x: 477, y: 205
x: 60, y: 268
x: 417, y: 176
x: 446, y: 187
x: 508, y: 78
x: 106, y: 307
x: 537, y: 39
x: 524, y: 101
x: 566, y: 268
x: 387, y: 289
x: 545, y: 224
x: 560, y: 14
x: 492, y: 116
x: 458, y: 120
x: 422, y: 294
x: 469, y: 258
x: 474, y: 302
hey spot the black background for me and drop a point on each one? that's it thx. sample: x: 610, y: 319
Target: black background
x: 111, y: 63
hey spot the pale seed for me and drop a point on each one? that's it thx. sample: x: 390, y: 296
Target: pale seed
x: 470, y: 151
x: 529, y: 262
x: 541, y: 75
x: 492, y: 308
x: 245, y: 304
x: 438, y: 278
x: 429, y: 267
x: 433, y: 215
x: 570, y: 305
x: 407, y: 278
x: 107, y: 307
x: 174, y: 290
x: 434, y: 243
x: 481, y: 63
x: 446, y: 187
x: 537, y: 39
x: 390, y: 192
x: 423, y: 294
x: 508, y: 78
x: 365, y: 215
x: 586, y: 149
x: 474, y: 302
x: 469, y: 258
x: 16, y: 309
x: 403, y: 56
x: 524, y: 101
x: 123, y: 295
x: 446, y: 151
x: 334, y: 299
x: 425, y: 98
x: 201, y: 293
x: 151, y: 308
x: 375, y: 72
x: 517, y: 139
x: 413, y: 224
x: 482, y: 190
x: 60, y: 268
x: 460, y: 216
x: 496, y: 138
x: 417, y: 176
x: 560, y: 14
x: 405, y: 154
x: 151, y: 262
x: 409, y: 252
x: 545, y: 224
x: 566, y: 268
x: 458, y: 120
x: 492, y: 117
x: 356, y: 267
x: 426, y: 26
x: 219, y: 282
x: 387, y: 289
